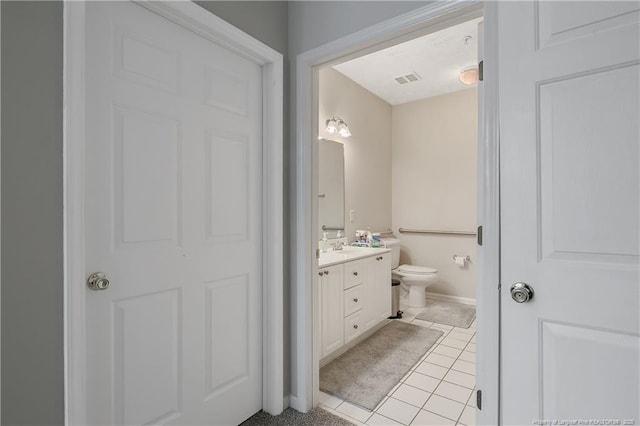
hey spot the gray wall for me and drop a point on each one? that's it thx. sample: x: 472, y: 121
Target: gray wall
x: 264, y: 20
x: 314, y: 23
x: 32, y: 346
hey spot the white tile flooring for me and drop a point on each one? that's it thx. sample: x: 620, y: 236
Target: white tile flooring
x: 439, y: 389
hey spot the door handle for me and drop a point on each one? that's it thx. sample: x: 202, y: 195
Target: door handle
x: 521, y: 292
x: 98, y: 281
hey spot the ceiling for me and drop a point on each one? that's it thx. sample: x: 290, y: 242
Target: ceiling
x: 436, y: 58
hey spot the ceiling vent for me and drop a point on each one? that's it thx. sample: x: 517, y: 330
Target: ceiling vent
x: 409, y: 78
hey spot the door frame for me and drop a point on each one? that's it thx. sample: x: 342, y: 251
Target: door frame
x: 205, y: 24
x: 305, y: 315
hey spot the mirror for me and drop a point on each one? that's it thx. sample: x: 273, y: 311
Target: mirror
x: 330, y: 187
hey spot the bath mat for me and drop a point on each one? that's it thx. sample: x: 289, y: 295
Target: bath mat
x: 455, y: 314
x: 367, y: 372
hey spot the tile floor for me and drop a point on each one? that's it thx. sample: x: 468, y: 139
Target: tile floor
x: 439, y: 389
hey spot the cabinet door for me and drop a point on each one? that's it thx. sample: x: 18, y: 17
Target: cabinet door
x: 371, y: 292
x: 382, y: 285
x: 377, y: 289
x: 331, y: 309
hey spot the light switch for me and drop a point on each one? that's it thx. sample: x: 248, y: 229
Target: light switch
x: 352, y: 215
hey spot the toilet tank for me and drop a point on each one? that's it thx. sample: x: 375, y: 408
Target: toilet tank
x: 394, y: 245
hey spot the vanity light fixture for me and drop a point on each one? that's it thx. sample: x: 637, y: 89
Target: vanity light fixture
x: 336, y: 125
x: 468, y: 76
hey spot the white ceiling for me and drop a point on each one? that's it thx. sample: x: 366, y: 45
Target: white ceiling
x: 437, y: 58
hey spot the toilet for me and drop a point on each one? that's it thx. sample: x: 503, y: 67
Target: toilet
x: 415, y: 279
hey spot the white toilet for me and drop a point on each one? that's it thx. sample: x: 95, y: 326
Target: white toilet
x: 415, y: 279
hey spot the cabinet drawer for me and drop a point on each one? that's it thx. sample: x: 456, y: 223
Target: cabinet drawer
x: 353, y: 299
x: 353, y: 274
x: 353, y: 326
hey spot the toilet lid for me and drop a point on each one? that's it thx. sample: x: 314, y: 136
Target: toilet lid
x: 412, y: 269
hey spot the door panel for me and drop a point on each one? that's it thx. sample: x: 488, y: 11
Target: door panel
x: 569, y: 151
x: 173, y: 215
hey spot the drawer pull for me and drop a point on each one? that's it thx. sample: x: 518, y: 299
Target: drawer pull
x: 355, y: 273
x: 320, y: 273
x: 326, y: 272
x: 355, y: 326
x: 355, y: 299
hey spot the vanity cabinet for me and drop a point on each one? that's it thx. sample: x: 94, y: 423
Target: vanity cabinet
x: 354, y: 296
x: 331, y: 308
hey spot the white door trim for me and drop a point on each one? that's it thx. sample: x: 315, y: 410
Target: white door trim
x: 209, y: 26
x: 404, y: 27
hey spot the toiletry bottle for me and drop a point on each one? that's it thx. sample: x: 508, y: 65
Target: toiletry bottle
x: 324, y: 246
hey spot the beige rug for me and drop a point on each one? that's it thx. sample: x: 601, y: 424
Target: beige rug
x: 449, y: 313
x: 367, y: 372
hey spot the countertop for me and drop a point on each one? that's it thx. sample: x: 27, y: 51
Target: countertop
x: 348, y: 253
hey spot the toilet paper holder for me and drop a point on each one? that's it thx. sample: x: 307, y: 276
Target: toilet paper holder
x: 461, y: 261
x: 467, y: 258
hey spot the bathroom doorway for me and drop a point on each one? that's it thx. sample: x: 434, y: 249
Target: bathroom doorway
x: 406, y: 132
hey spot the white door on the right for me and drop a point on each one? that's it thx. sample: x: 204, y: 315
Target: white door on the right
x: 569, y: 150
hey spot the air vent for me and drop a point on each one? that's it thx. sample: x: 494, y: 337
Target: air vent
x: 409, y: 78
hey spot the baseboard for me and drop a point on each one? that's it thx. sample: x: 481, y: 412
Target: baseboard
x: 448, y: 298
x: 294, y: 403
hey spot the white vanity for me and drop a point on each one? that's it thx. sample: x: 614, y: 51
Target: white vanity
x: 355, y: 294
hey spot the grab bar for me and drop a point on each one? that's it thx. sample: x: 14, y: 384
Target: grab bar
x: 331, y: 228
x: 432, y: 231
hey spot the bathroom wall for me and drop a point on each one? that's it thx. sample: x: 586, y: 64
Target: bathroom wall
x: 434, y: 185
x: 367, y: 153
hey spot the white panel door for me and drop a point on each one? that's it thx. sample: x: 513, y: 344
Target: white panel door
x: 569, y: 145
x: 173, y: 216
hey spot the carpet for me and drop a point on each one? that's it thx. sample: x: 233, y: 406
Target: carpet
x: 291, y: 417
x: 366, y: 373
x: 455, y: 314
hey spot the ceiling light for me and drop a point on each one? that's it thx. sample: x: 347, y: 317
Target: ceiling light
x: 468, y: 76
x: 337, y: 125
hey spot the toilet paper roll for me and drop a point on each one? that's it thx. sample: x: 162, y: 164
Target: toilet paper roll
x: 460, y: 261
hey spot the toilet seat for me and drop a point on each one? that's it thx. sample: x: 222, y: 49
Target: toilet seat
x: 416, y: 270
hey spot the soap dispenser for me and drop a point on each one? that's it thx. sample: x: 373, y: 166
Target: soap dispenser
x: 324, y: 246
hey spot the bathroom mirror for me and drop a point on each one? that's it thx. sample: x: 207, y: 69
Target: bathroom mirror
x: 330, y: 187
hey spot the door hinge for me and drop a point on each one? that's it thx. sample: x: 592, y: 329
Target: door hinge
x: 479, y: 399
x: 480, y: 235
x: 481, y: 71
x: 317, y: 253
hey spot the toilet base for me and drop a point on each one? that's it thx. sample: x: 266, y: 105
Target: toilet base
x: 417, y: 297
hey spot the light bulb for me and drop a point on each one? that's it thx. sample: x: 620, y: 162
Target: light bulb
x: 332, y: 126
x: 343, y: 129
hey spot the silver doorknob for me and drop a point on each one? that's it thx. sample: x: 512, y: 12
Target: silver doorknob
x: 98, y: 281
x: 521, y: 292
